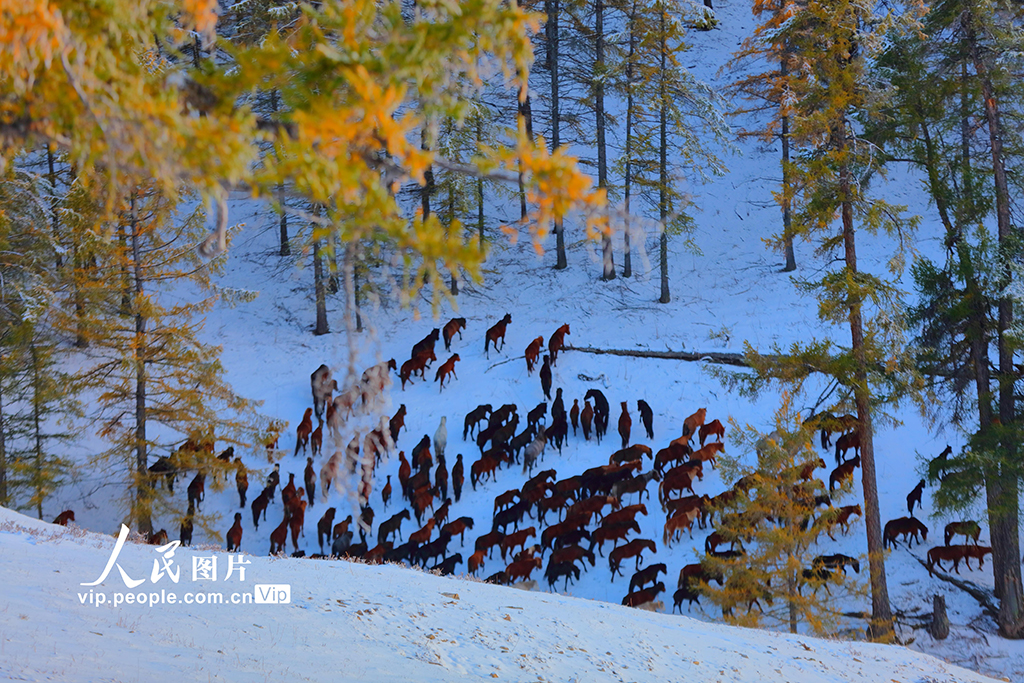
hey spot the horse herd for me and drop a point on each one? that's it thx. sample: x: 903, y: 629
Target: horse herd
x: 592, y: 508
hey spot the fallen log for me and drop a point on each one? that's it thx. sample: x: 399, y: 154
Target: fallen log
x: 719, y: 357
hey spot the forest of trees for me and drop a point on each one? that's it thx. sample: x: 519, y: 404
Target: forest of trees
x: 385, y: 133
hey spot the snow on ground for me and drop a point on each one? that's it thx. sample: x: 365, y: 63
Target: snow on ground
x: 353, y: 622
x: 729, y: 293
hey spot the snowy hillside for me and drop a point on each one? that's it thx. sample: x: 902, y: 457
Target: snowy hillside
x: 398, y: 622
x: 353, y: 622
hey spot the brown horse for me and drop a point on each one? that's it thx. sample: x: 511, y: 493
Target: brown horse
x: 453, y: 326
x: 634, y: 548
x: 235, y: 533
x: 915, y: 497
x: 908, y: 527
x: 625, y: 425
x: 533, y: 353
x: 447, y: 368
x: 843, y: 472
x: 712, y: 428
x: 323, y: 386
x: 496, y: 332
x: 848, y: 441
x: 417, y: 365
x: 65, y: 517
x: 969, y: 529
x: 692, y: 423
x: 522, y: 569
x: 707, y: 453
x: 557, y: 342
x: 303, y: 431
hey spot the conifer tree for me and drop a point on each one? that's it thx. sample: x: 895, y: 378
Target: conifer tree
x: 667, y: 109
x: 150, y: 369
x: 37, y: 401
x: 772, y: 519
x: 773, y: 92
x: 941, y: 84
x: 829, y: 43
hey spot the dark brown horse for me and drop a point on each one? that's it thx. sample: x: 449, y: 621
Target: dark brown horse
x: 496, y: 332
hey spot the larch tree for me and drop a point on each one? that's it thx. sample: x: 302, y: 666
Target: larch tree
x: 774, y: 520
x: 830, y: 43
x: 156, y: 383
x: 667, y: 112
x: 128, y: 95
x: 37, y: 400
x: 773, y: 94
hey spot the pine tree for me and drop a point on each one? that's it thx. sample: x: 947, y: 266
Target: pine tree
x: 942, y: 84
x: 150, y: 106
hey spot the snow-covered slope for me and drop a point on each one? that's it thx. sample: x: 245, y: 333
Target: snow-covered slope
x: 353, y: 622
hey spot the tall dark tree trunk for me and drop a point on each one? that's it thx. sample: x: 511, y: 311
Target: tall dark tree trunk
x: 480, y: 189
x: 663, y: 164
x: 80, y: 262
x: 144, y: 491
x: 454, y: 286
x: 356, y: 298
x: 126, y: 281
x: 54, y: 204
x: 607, y: 258
x: 551, y: 7
x: 3, y: 452
x: 37, y: 429
x: 1001, y: 479
x: 787, y: 218
x: 526, y: 113
x: 285, y: 249
x: 428, y: 177
x: 320, y: 288
x: 627, y: 258
x: 881, y: 612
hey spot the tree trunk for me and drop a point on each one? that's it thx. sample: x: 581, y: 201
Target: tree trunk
x: 54, y: 217
x: 552, y: 39
x: 663, y: 165
x: 357, y: 300
x: 320, y: 288
x: 143, y: 489
x: 428, y: 177
x: 607, y: 258
x: 526, y: 114
x: 126, y: 281
x: 37, y: 430
x: 3, y: 452
x: 791, y: 591
x: 881, y: 628
x: 1003, y: 494
x: 627, y: 258
x: 480, y: 188
x: 787, y: 218
x: 285, y: 249
x: 940, y: 621
x: 454, y: 287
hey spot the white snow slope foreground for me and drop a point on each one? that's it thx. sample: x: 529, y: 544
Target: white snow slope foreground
x: 354, y: 622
